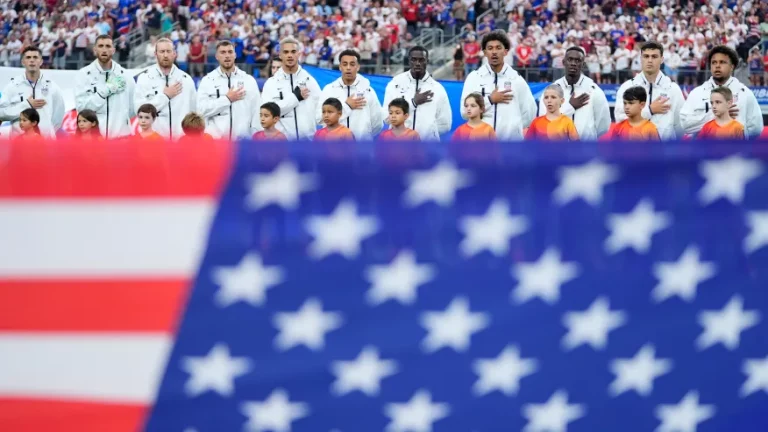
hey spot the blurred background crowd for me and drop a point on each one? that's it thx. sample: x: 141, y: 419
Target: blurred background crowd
x: 540, y: 31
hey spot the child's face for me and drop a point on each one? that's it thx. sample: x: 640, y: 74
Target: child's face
x: 84, y: 125
x: 331, y: 115
x: 472, y: 108
x: 25, y: 124
x: 145, y: 121
x: 268, y: 121
x: 719, y: 104
x: 552, y: 101
x: 397, y: 117
x: 633, y: 108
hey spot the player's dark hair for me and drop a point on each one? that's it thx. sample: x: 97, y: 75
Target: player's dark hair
x: 635, y: 94
x: 498, y: 36
x: 335, y: 103
x: 400, y: 103
x: 224, y: 42
x: 578, y: 49
x: 31, y: 48
x: 148, y: 109
x: 725, y: 91
x: 273, y: 108
x: 350, y: 52
x: 101, y: 37
x: 652, y: 45
x: 418, y: 48
x: 728, y: 51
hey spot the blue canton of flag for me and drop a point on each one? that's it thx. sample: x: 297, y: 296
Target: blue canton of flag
x: 531, y: 288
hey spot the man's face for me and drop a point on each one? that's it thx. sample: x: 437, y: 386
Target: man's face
x: 225, y: 55
x: 652, y: 59
x: 289, y: 54
x: 32, y: 61
x: 418, y: 62
x: 104, y: 50
x: 721, y: 67
x: 495, y: 52
x: 349, y: 67
x: 574, y: 62
x: 165, y: 54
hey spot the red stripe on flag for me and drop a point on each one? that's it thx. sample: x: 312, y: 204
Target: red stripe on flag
x: 27, y: 415
x: 91, y: 305
x: 120, y: 168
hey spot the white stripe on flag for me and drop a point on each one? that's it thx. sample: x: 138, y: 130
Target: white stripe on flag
x: 110, y: 367
x: 89, y: 238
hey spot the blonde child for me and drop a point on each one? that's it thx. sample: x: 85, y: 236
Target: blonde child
x: 270, y: 115
x: 723, y: 126
x: 553, y: 125
x: 193, y: 126
x: 398, y: 114
x: 475, y: 128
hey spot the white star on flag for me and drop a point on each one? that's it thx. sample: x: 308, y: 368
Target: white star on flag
x: 282, y: 186
x: 592, y: 325
x: 635, y: 229
x: 553, y: 415
x: 758, y: 233
x: 216, y: 371
x: 491, y: 231
x: 543, y: 278
x: 364, y: 373
x: 584, y: 181
x: 638, y: 372
x: 248, y: 281
x: 502, y: 373
x: 416, y: 415
x: 453, y: 327
x: 399, y: 280
x: 438, y: 184
x: 307, y: 326
x: 681, y: 278
x: 685, y: 416
x: 725, y: 326
x: 275, y: 414
x: 342, y: 231
x: 757, y: 376
x: 727, y: 178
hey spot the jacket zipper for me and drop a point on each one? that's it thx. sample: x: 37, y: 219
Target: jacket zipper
x: 349, y: 93
x: 107, y: 125
x: 415, y: 108
x: 229, y: 86
x: 495, y: 106
x: 295, y: 119
x: 170, y: 112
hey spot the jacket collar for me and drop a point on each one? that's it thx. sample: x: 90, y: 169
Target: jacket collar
x: 282, y: 74
x: 728, y: 83
x: 23, y: 79
x: 427, y: 76
x: 644, y: 80
x: 357, y: 81
x: 221, y: 73
x: 505, y: 70
x: 579, y: 83
x: 160, y: 73
x: 97, y: 65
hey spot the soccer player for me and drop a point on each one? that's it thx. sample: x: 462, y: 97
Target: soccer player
x: 398, y: 114
x: 634, y: 126
x: 333, y: 131
x: 553, y: 125
x: 723, y: 126
x: 475, y: 128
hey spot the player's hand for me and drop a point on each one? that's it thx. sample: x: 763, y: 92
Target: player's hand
x: 304, y: 92
x: 355, y: 102
x: 422, y: 98
x: 36, y: 103
x: 733, y: 110
x: 579, y: 101
x: 236, y: 94
x: 660, y: 105
x: 173, y: 90
x: 501, y: 96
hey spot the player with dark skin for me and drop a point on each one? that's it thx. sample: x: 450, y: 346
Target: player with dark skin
x: 419, y: 60
x: 722, y: 69
x: 495, y: 52
x: 574, y: 64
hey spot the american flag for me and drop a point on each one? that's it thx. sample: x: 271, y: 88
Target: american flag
x: 337, y: 288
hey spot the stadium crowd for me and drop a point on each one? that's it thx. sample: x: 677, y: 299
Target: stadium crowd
x: 540, y: 32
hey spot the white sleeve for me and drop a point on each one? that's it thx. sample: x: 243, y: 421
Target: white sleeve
x: 602, y: 113
x: 325, y: 94
x: 693, y: 115
x: 189, y: 83
x: 130, y: 87
x: 376, y: 112
x: 10, y: 109
x: 208, y: 104
x: 270, y: 93
x: 677, y: 104
x: 527, y: 104
x: 618, y: 107
x: 389, y: 96
x: 145, y: 95
x: 754, y: 116
x: 57, y: 108
x: 254, y: 102
x: 314, y: 94
x: 444, y: 115
x: 86, y: 96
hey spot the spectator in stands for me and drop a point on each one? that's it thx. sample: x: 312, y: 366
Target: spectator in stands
x: 697, y: 110
x: 585, y: 101
x: 197, y: 54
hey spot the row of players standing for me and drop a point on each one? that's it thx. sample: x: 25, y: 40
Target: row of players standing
x: 230, y: 101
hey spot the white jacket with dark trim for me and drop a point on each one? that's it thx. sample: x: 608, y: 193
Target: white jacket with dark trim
x: 697, y: 109
x: 170, y: 112
x: 297, y: 118
x: 14, y: 100
x: 113, y: 111
x: 593, y: 119
x: 667, y: 124
x: 431, y: 119
x: 366, y: 122
x: 224, y: 118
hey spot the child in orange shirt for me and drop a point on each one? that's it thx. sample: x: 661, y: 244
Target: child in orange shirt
x: 398, y: 114
x: 147, y: 114
x: 333, y: 130
x: 475, y: 128
x: 723, y: 126
x: 193, y: 126
x: 270, y: 115
x: 87, y: 125
x: 29, y: 119
x: 635, y: 127
x: 553, y: 125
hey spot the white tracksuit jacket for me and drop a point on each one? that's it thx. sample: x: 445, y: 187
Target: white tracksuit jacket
x: 114, y: 111
x: 297, y: 118
x: 667, y: 124
x: 14, y: 101
x: 223, y: 118
x: 365, y: 122
x: 170, y: 112
x: 593, y: 119
x: 697, y: 109
x: 431, y: 119
x: 507, y: 119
